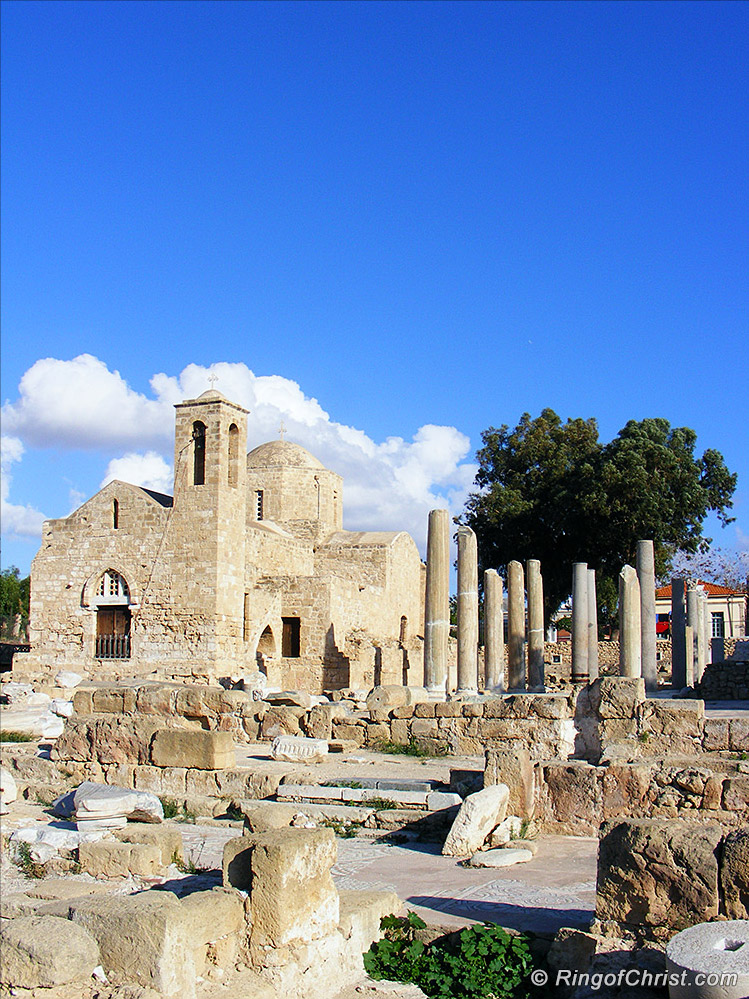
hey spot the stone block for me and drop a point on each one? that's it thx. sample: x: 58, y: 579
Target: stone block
x: 388, y: 696
x: 656, y: 875
x: 113, y: 700
x: 206, y: 703
x: 360, y: 913
x: 734, y: 874
x: 157, y: 699
x: 437, y: 800
x: 399, y: 731
x: 45, y: 951
x: 573, y: 795
x: 263, y: 816
x: 736, y: 796
x: 447, y: 709
x: 551, y: 706
x: 403, y: 711
x: 478, y: 815
x: 472, y: 709
x: 281, y: 720
x: 616, y: 696
x: 738, y: 739
x: 349, y: 732
x: 294, y: 748
x: 424, y: 726
x: 144, y: 937
x: 426, y: 710
x: 319, y: 724
x: 165, y: 838
x: 715, y: 735
x: 83, y: 702
x: 169, y: 781
x: 625, y: 788
x: 508, y: 706
x: 120, y: 860
x: 377, y: 733
x: 512, y: 766
x: 193, y: 749
x: 210, y: 915
x: 293, y: 896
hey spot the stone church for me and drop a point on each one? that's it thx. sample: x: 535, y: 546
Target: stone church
x: 246, y: 567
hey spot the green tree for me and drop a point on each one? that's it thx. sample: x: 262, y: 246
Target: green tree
x: 551, y: 490
x: 14, y: 599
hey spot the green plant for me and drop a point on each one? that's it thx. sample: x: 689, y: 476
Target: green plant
x: 174, y: 809
x: 643, y: 737
x: 234, y: 812
x: 10, y: 735
x: 344, y: 830
x: 357, y: 785
x: 412, y: 748
x: 477, y: 963
x: 379, y: 804
x: 26, y: 862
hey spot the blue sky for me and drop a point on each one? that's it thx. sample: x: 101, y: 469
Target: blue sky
x: 390, y: 225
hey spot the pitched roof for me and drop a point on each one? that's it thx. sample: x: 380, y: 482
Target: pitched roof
x: 712, y: 590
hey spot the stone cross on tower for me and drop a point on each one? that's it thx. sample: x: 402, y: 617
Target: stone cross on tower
x: 282, y: 430
x: 212, y: 379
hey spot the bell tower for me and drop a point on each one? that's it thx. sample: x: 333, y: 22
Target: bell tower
x: 207, y: 530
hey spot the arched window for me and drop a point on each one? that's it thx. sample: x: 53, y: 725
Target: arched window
x: 113, y: 588
x: 233, y: 454
x: 198, y: 436
x: 115, y: 514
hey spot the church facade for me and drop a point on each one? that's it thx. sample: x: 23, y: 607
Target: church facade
x: 246, y: 567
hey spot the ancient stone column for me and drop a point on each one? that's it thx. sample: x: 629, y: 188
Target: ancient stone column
x: 535, y: 623
x: 630, y: 631
x: 468, y: 611
x: 707, y: 630
x: 494, y: 632
x: 678, y: 634
x: 580, y: 622
x: 695, y: 620
x: 592, y: 626
x: 515, y: 627
x: 646, y: 578
x: 689, y: 653
x: 437, y: 602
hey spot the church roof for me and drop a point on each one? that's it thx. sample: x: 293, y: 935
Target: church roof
x: 282, y: 453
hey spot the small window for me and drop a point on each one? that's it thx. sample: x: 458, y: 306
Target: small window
x: 113, y: 585
x: 115, y: 515
x: 719, y: 625
x: 290, y: 637
x: 556, y: 658
x: 198, y: 436
x: 233, y: 454
x: 258, y: 504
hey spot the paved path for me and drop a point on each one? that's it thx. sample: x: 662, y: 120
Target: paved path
x: 556, y: 888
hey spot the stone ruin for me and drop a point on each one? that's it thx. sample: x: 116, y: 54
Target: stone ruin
x: 661, y: 782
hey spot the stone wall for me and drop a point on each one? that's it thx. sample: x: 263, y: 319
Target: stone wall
x: 725, y: 681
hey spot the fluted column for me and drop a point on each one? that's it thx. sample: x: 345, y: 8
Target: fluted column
x: 468, y: 611
x: 437, y: 602
x: 494, y: 631
x: 515, y: 627
x: 580, y: 622
x: 630, y: 631
x: 535, y: 623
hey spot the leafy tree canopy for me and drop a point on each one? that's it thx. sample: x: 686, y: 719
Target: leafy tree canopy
x: 14, y: 593
x: 552, y: 491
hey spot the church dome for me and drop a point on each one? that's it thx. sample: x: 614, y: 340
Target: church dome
x: 283, y: 453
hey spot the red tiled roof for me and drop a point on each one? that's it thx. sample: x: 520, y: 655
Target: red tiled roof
x: 712, y: 590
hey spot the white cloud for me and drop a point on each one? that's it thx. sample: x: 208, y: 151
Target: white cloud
x: 17, y: 521
x: 148, y: 470
x: 82, y: 404
x: 387, y: 486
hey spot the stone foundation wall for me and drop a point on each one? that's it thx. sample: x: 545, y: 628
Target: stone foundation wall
x: 725, y: 681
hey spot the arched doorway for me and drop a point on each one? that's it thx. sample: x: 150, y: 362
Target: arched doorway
x: 266, y: 649
x: 112, y: 603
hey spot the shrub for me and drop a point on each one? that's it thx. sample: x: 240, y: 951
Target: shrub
x: 477, y: 963
x: 10, y: 735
